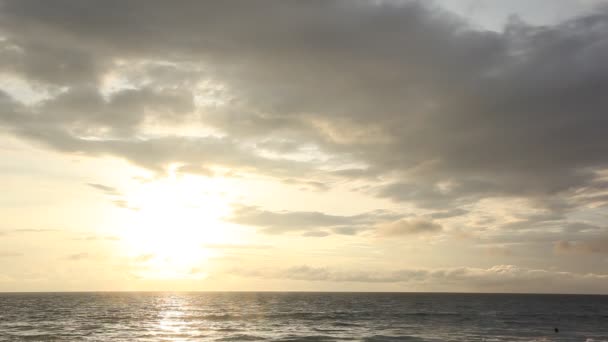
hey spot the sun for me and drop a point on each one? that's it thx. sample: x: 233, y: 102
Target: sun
x: 169, y: 222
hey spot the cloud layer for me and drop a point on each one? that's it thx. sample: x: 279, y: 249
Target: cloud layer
x: 398, y: 88
x: 312, y: 223
x: 499, y: 278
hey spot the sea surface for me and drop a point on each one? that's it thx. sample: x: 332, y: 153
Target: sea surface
x: 271, y: 316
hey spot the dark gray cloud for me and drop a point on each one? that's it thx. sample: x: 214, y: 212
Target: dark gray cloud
x: 498, y: 251
x: 576, y: 227
x: 538, y: 236
x: 442, y: 113
x: 408, y: 227
x: 116, y: 116
x: 157, y: 153
x: 448, y: 213
x: 582, y: 247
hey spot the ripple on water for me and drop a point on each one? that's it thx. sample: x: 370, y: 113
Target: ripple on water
x: 157, y: 317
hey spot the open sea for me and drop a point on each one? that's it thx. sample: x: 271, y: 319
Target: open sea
x: 271, y: 316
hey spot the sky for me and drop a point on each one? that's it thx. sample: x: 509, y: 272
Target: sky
x: 455, y: 145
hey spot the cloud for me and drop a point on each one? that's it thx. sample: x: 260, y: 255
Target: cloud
x: 468, y: 104
x: 499, y: 278
x: 448, y: 213
x: 234, y: 246
x: 408, y: 227
x: 497, y: 251
x: 316, y: 233
x: 115, y: 193
x: 309, y: 222
x: 108, y: 190
x: 307, y: 185
x: 98, y: 238
x: 582, y: 247
x: 576, y: 227
x: 32, y: 230
x: 124, y: 205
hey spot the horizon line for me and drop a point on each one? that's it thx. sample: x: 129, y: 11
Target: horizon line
x: 320, y: 292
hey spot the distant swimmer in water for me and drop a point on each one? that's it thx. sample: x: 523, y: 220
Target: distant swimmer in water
x: 556, y: 330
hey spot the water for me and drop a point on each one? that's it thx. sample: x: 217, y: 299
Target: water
x: 301, y: 317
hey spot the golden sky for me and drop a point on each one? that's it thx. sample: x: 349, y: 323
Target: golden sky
x: 309, y: 146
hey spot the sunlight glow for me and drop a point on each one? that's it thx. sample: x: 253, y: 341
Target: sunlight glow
x: 170, y: 221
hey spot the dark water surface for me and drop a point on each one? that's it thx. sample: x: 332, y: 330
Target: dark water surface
x: 301, y: 317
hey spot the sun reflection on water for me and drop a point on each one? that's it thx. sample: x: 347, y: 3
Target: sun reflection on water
x: 172, y: 325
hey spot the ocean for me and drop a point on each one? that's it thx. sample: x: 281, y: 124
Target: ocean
x: 291, y: 316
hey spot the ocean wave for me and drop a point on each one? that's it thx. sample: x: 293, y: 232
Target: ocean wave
x: 309, y: 317
x: 242, y: 337
x: 385, y: 338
